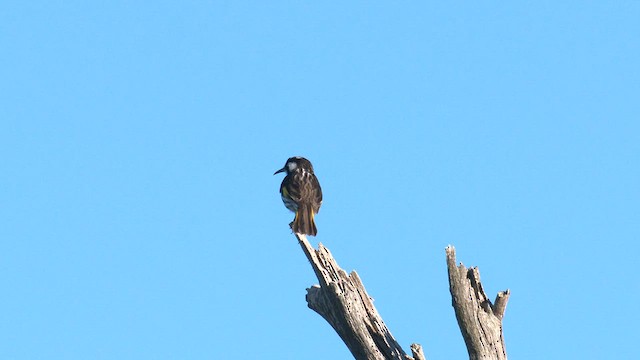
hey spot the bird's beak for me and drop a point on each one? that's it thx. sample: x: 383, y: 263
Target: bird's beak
x: 279, y: 171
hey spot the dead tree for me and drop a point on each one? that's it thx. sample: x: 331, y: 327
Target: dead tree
x: 343, y: 302
x: 479, y: 320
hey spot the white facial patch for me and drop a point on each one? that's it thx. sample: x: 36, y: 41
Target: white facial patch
x: 291, y: 166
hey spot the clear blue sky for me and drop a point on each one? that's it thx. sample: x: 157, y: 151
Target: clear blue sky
x: 139, y: 217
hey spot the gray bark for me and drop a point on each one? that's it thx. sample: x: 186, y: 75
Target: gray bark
x: 343, y: 302
x: 480, y: 321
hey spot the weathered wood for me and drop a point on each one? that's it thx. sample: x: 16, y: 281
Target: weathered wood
x: 416, y: 350
x: 480, y: 321
x: 343, y: 302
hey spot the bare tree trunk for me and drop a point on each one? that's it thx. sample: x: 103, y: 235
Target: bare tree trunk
x: 343, y: 302
x: 480, y: 321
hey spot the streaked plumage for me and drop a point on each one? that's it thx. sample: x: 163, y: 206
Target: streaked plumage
x: 301, y: 193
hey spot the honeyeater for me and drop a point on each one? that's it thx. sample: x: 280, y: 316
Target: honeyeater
x: 301, y: 193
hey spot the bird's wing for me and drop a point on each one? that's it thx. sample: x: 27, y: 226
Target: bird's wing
x: 317, y: 193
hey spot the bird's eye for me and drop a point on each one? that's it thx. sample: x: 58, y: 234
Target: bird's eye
x: 292, y: 166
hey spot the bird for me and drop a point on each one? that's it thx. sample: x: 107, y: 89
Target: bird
x: 301, y: 193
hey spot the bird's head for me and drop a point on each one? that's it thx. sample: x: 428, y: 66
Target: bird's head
x: 296, y: 163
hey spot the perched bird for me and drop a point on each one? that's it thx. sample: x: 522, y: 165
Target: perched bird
x: 301, y: 193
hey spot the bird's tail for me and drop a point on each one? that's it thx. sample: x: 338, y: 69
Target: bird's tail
x: 304, y: 222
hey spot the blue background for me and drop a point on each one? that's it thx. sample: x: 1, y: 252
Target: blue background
x: 139, y: 218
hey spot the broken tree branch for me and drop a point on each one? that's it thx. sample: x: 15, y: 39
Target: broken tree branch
x: 416, y: 350
x: 480, y: 321
x: 343, y: 302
